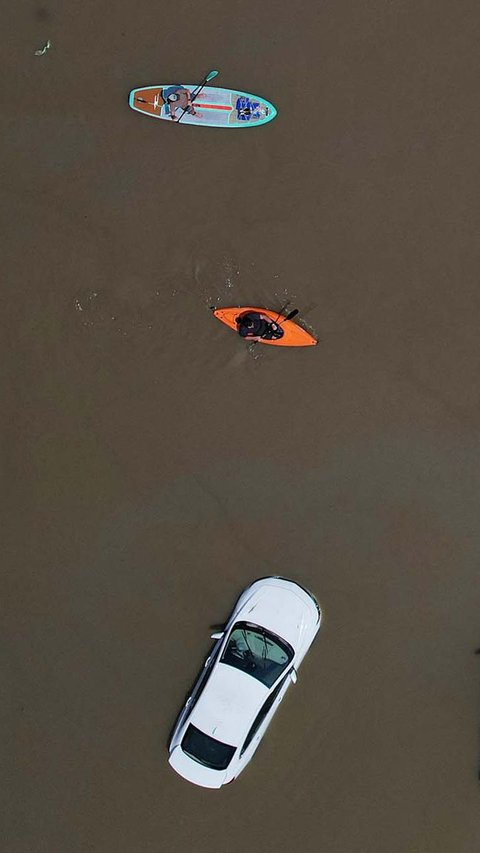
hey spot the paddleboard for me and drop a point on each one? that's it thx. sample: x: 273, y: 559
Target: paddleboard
x: 213, y: 107
x: 293, y: 335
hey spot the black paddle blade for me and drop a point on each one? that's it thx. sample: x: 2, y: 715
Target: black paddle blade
x: 291, y: 315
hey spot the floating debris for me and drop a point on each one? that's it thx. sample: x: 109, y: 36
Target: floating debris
x: 43, y: 49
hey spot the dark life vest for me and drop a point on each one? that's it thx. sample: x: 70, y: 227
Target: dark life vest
x: 259, y: 327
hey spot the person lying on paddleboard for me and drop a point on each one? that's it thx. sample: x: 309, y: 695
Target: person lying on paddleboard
x: 179, y: 98
x: 256, y: 327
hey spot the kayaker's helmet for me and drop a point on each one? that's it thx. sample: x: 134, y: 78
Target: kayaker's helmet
x: 245, y: 321
x: 173, y: 97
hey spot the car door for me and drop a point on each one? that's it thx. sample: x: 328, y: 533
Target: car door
x: 263, y: 718
x: 202, y: 678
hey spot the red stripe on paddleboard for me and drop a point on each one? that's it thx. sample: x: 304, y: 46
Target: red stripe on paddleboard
x: 212, y: 106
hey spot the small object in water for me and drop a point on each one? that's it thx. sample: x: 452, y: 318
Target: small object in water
x: 44, y: 49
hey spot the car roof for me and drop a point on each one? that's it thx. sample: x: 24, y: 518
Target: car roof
x: 229, y: 703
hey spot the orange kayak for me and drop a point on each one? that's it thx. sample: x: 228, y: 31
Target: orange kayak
x: 293, y: 335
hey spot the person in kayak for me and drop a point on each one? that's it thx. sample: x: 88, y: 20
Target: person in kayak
x: 179, y: 98
x: 256, y: 326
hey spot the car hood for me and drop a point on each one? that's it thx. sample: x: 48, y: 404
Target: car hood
x: 195, y: 772
x: 228, y: 704
x: 279, y: 608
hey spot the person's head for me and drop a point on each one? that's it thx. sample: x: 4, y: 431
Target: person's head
x: 173, y: 97
x: 245, y: 322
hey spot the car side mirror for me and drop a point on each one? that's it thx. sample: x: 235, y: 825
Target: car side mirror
x: 217, y: 635
x: 293, y: 676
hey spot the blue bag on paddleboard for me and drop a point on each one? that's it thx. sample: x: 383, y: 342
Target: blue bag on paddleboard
x: 247, y: 109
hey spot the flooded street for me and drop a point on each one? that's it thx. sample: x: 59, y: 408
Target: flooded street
x: 154, y: 466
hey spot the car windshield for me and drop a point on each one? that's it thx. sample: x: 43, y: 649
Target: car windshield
x: 256, y: 651
x: 206, y: 750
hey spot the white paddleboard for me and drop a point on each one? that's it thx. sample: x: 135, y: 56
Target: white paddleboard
x: 213, y: 107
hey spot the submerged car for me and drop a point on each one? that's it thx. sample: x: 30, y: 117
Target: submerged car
x: 244, y: 679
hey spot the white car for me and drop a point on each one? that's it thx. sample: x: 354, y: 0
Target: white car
x: 252, y: 664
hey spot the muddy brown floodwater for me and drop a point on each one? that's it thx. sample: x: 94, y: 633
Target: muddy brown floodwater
x: 153, y: 466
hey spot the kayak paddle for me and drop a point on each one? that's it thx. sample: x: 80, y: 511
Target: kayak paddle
x: 289, y: 316
x: 198, y: 89
x: 282, y: 309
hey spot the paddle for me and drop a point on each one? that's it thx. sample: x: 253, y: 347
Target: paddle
x: 289, y: 316
x: 197, y: 90
x: 282, y: 309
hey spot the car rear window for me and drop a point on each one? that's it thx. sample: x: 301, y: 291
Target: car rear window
x: 206, y: 750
